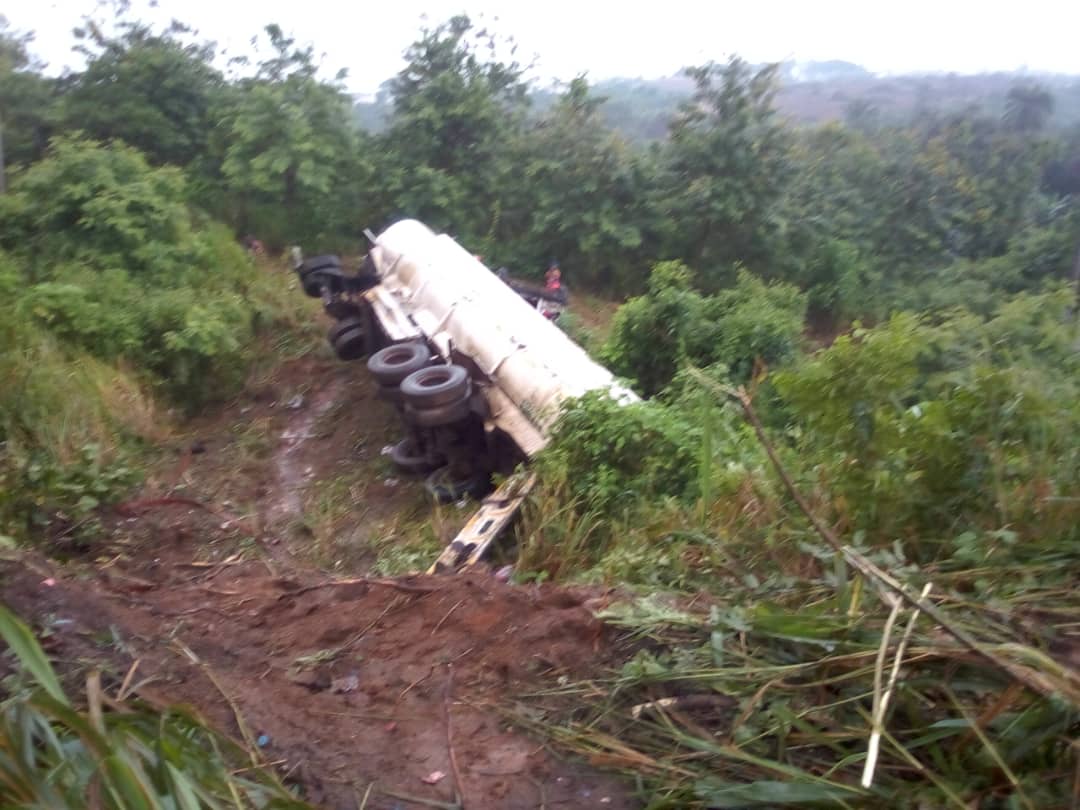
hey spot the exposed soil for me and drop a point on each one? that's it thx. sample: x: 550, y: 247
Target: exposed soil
x: 348, y: 680
x: 294, y: 471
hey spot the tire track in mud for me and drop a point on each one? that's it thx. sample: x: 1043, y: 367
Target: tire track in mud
x: 285, y: 502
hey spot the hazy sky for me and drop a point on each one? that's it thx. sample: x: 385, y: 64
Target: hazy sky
x: 612, y: 38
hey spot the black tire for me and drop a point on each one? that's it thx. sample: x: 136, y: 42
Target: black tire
x: 393, y: 364
x: 343, y: 326
x: 313, y: 286
x: 320, y: 263
x: 341, y: 310
x: 408, y: 458
x: 446, y: 487
x: 436, y: 386
x: 330, y: 278
x: 439, y: 416
x: 351, y: 344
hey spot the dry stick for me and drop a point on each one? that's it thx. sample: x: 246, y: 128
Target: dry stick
x: 442, y: 621
x: 93, y: 698
x: 362, y: 803
x: 879, y: 672
x: 260, y: 767
x: 883, y: 650
x: 122, y: 693
x: 459, y: 786
x: 245, y: 732
x: 856, y: 560
x: 415, y: 683
x: 371, y: 624
x: 882, y: 706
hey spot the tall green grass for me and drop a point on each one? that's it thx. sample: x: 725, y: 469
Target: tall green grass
x: 771, y: 653
x: 121, y: 310
x: 113, y: 751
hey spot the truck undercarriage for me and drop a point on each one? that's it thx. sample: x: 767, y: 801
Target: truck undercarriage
x: 473, y: 365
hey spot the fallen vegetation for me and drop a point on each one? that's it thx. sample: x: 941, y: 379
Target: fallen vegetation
x: 115, y: 750
x: 855, y: 575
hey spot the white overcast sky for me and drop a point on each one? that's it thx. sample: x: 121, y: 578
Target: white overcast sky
x: 613, y: 38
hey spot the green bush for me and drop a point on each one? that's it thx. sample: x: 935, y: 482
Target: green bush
x: 112, y: 288
x: 112, y: 262
x: 653, y: 335
x: 64, y: 422
x: 919, y: 429
x: 614, y: 456
x: 650, y: 333
x: 98, y: 205
x: 749, y: 322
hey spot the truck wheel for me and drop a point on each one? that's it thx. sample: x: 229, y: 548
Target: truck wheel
x: 319, y: 263
x: 329, y: 277
x: 447, y: 487
x: 351, y: 344
x: 393, y: 364
x: 435, y: 387
x: 408, y: 458
x: 439, y: 416
x: 312, y: 285
x: 343, y: 326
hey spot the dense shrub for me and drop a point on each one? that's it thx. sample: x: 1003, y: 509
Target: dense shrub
x: 101, y: 206
x: 921, y: 428
x: 114, y: 263
x: 614, y: 456
x: 111, y: 288
x: 650, y: 333
x: 654, y: 334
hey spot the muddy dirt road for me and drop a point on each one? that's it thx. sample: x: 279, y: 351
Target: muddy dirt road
x: 215, y: 583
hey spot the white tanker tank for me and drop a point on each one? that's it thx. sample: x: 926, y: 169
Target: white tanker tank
x: 461, y: 307
x: 466, y: 360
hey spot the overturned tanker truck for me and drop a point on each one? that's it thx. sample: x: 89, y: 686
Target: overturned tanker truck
x: 476, y: 373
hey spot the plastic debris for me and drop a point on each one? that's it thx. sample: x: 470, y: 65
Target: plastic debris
x: 349, y: 683
x: 433, y: 778
x: 262, y: 740
x: 504, y: 573
x: 296, y: 403
x: 48, y: 583
x: 387, y: 450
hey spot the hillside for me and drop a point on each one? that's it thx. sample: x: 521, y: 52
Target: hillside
x: 826, y: 557
x: 809, y: 94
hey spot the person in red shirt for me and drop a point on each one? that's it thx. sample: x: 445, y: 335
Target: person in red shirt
x: 553, y: 277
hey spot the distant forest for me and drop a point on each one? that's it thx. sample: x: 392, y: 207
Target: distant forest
x: 810, y: 93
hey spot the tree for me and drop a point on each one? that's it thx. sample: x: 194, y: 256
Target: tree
x: 727, y: 164
x: 101, y: 206
x: 585, y: 203
x: 150, y: 90
x: 457, y: 108
x: 1028, y: 108
x: 978, y: 180
x: 26, y: 102
x: 288, y: 140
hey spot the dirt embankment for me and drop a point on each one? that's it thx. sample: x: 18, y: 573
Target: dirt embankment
x: 341, y: 684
